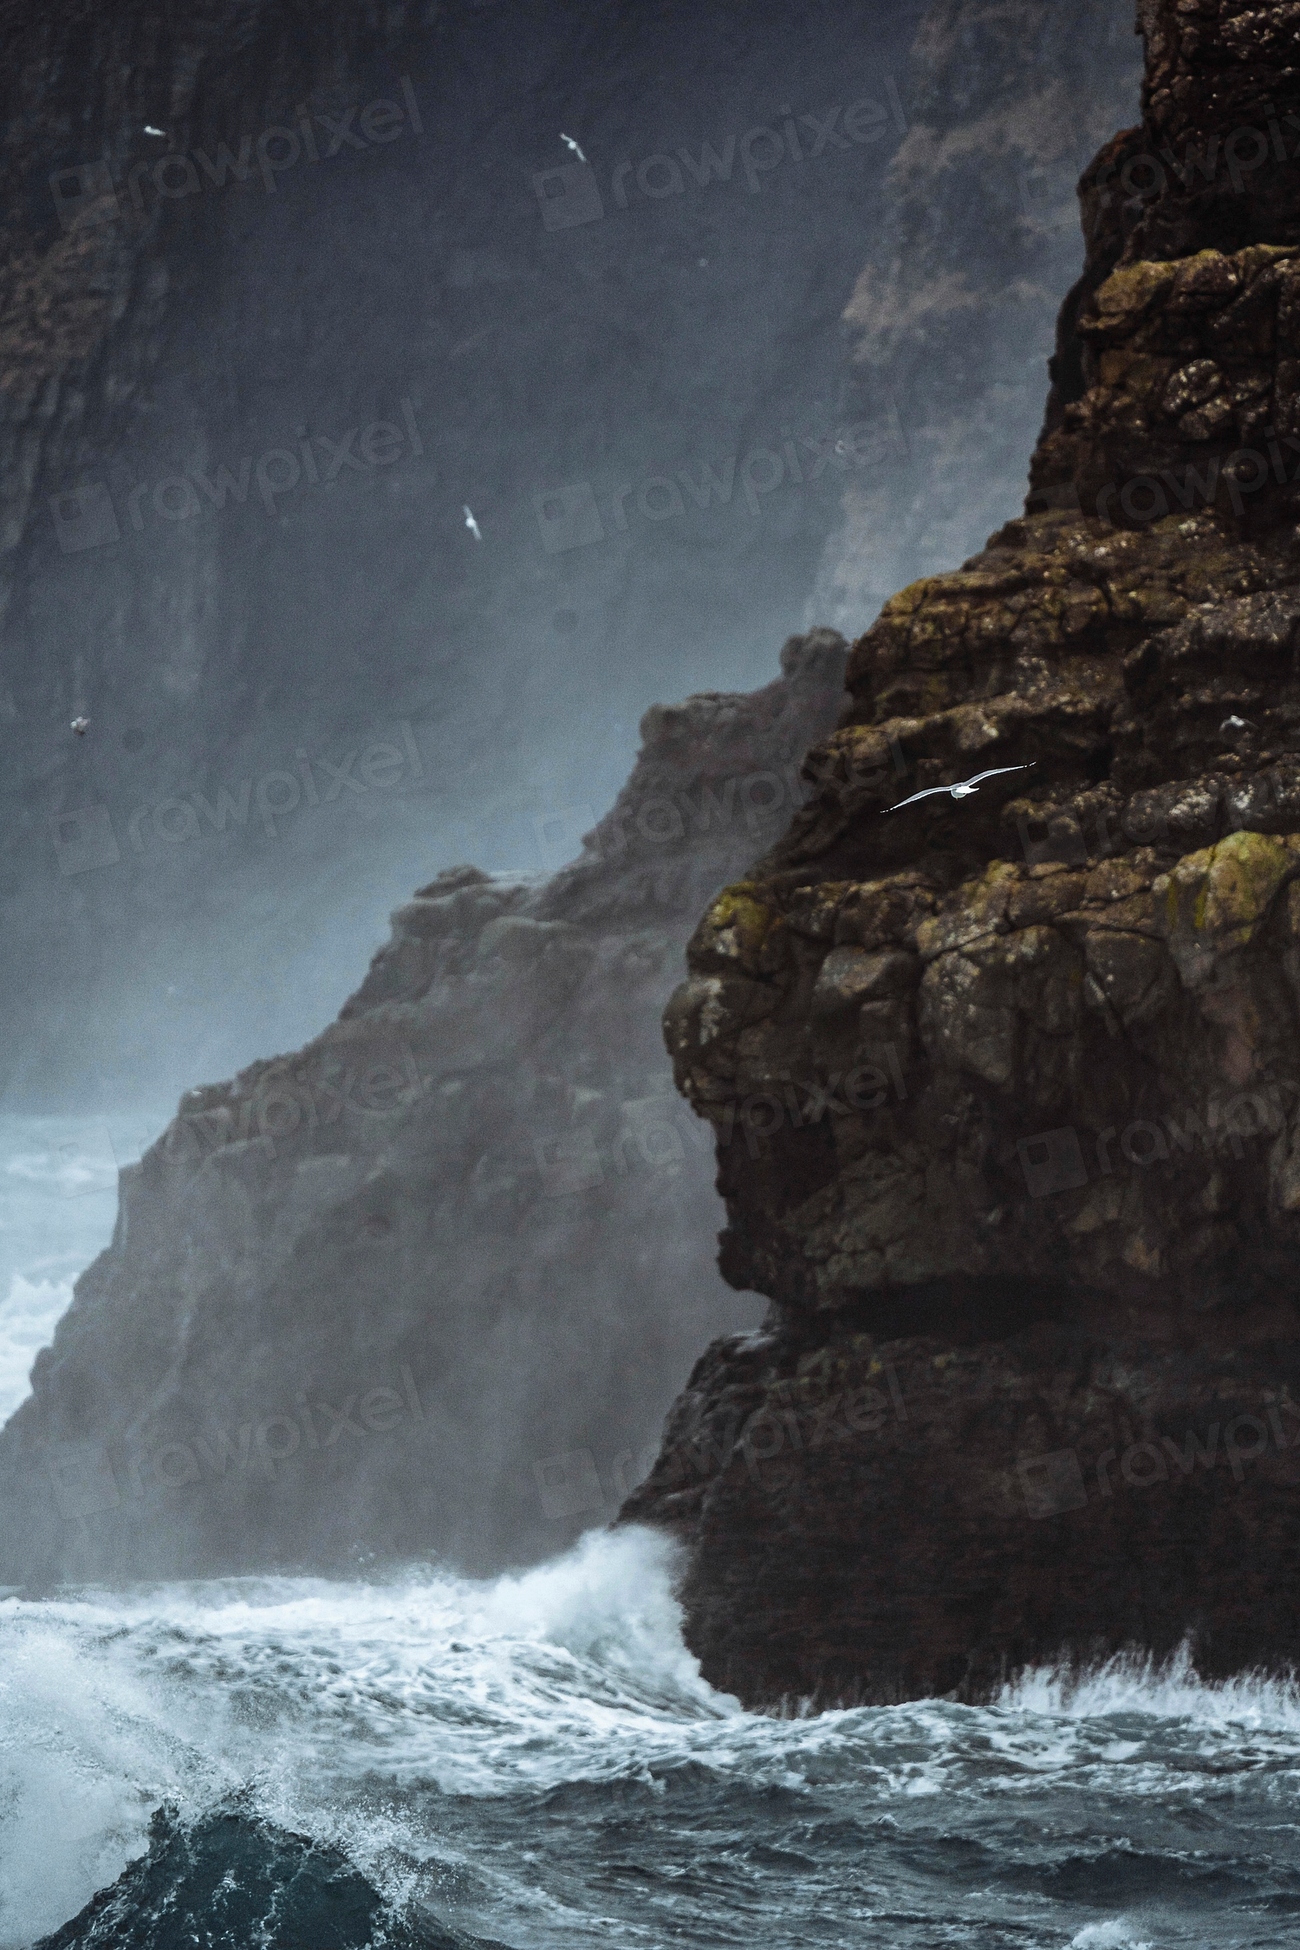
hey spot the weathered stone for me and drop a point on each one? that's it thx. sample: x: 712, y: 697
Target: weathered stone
x: 1131, y: 972
x: 967, y: 1021
x: 472, y: 1179
x: 1217, y: 901
x: 1069, y: 1229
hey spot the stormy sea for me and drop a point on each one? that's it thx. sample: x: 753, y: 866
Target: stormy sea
x: 533, y: 1760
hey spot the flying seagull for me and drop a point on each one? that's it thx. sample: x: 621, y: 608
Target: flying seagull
x: 81, y: 726
x: 472, y: 525
x: 964, y: 788
x: 1235, y: 724
x: 572, y: 145
x: 149, y: 129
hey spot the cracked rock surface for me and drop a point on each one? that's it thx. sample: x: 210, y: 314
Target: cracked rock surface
x: 1006, y: 1087
x: 427, y: 1284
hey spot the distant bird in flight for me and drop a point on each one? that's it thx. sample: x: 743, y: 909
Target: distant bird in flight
x: 572, y: 145
x: 965, y: 787
x: 472, y: 525
x: 1235, y: 724
x: 149, y: 129
x: 81, y: 726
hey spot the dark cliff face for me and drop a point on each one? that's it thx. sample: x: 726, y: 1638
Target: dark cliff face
x: 253, y: 367
x: 1007, y: 1086
x: 952, y: 314
x: 483, y: 1136
x: 428, y: 1284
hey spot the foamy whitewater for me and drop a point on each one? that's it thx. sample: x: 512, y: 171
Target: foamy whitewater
x: 535, y: 1761
x: 58, y: 1202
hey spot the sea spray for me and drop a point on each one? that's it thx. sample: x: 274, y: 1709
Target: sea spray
x: 535, y: 1756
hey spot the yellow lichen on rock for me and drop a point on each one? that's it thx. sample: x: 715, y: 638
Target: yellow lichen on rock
x: 1216, y: 900
x: 737, y: 930
x: 1131, y: 291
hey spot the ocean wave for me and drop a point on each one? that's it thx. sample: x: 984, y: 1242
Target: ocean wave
x: 466, y: 1741
x: 1168, y: 1689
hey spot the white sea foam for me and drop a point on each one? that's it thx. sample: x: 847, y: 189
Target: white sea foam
x: 1113, y: 1935
x: 350, y: 1710
x: 28, y: 1314
x: 301, y: 1688
x: 58, y: 1200
x: 1171, y: 1689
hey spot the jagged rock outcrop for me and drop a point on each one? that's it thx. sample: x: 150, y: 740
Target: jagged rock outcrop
x: 252, y: 367
x: 952, y: 314
x: 1007, y: 1088
x: 428, y: 1284
x: 213, y: 634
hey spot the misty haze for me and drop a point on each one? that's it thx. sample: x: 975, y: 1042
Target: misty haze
x: 502, y: 1149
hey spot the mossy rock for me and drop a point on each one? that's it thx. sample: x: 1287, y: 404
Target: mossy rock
x: 738, y: 933
x: 1216, y: 900
x: 1129, y: 293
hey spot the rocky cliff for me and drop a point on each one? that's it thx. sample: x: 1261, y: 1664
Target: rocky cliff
x: 1007, y: 1086
x: 187, y: 318
x: 952, y: 315
x: 274, y: 307
x: 428, y: 1284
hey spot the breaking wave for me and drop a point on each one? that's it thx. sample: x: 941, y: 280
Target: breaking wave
x: 538, y: 1753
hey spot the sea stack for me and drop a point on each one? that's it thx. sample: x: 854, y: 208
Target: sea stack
x: 425, y: 1286
x: 1007, y: 1090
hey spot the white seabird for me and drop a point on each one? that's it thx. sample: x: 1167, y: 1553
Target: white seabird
x: 964, y: 787
x: 81, y: 726
x: 472, y: 525
x: 572, y: 145
x: 149, y: 129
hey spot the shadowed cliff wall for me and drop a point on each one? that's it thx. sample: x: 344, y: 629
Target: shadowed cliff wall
x: 1035, y: 1169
